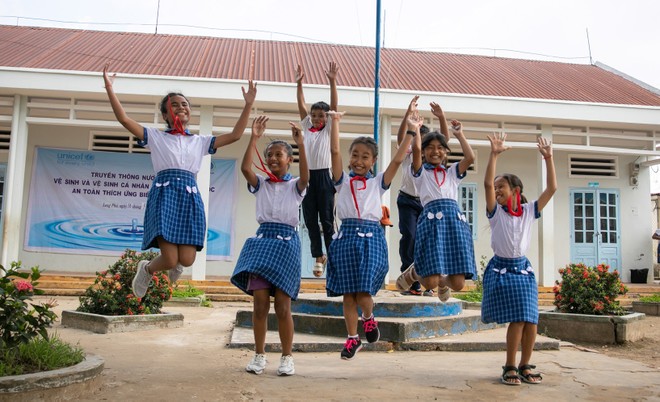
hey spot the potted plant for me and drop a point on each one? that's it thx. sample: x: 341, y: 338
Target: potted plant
x: 109, y: 305
x: 31, y: 359
x: 649, y: 305
x: 587, y: 309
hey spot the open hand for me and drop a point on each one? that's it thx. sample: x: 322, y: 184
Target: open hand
x: 412, y: 107
x: 497, y: 143
x: 259, y: 126
x: 545, y: 147
x: 300, y: 74
x: 437, y: 110
x: 251, y: 93
x: 108, y: 79
x: 331, y: 73
x: 297, y: 133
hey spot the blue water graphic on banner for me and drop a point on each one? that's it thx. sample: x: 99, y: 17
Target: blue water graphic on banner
x: 93, y: 202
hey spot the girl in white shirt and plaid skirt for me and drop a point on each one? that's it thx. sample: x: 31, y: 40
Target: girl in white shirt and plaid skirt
x: 269, y: 264
x: 510, y: 288
x: 358, y: 259
x: 174, y: 218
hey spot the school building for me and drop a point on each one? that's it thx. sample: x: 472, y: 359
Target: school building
x: 74, y: 180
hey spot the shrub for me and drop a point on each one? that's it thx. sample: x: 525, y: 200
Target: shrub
x: 589, y: 290
x: 40, y: 355
x: 20, y: 321
x: 654, y: 298
x: 111, y: 293
x: 188, y: 291
x: 476, y: 295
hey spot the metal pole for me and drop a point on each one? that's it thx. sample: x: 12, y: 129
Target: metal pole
x: 377, y: 74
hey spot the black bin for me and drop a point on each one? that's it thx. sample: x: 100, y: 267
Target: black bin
x: 638, y: 275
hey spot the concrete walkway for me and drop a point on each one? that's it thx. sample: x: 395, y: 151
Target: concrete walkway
x: 194, y: 363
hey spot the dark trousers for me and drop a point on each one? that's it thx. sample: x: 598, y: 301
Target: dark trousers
x: 319, y: 204
x: 409, y: 210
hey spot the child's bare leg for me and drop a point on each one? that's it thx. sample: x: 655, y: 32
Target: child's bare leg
x: 430, y: 282
x: 455, y: 282
x: 351, y: 313
x: 513, y: 338
x: 168, y: 258
x: 366, y: 303
x: 261, y: 307
x: 528, y: 340
x: 284, y: 321
x: 187, y: 254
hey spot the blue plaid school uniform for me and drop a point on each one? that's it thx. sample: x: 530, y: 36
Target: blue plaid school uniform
x: 358, y: 259
x: 443, y: 241
x: 274, y: 252
x: 175, y: 209
x: 510, y: 288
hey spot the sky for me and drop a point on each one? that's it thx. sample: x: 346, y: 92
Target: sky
x: 624, y: 35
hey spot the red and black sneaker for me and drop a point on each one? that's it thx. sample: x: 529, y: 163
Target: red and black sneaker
x: 371, y: 330
x: 351, y: 347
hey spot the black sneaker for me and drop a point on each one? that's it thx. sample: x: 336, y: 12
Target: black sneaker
x: 371, y: 330
x: 351, y: 347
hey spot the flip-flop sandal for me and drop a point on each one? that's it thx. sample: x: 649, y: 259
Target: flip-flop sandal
x: 505, y: 379
x: 529, y: 377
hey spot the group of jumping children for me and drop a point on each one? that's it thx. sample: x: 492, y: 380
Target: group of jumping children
x: 436, y: 248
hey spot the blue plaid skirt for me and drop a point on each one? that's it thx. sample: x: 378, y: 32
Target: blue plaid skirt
x: 357, y: 259
x: 443, y: 242
x: 175, y: 210
x: 510, y: 291
x: 273, y: 254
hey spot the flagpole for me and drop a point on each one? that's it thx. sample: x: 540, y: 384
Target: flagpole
x: 377, y: 74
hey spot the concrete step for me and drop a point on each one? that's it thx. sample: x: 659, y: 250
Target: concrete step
x: 482, y: 341
x: 392, y: 329
x: 386, y: 304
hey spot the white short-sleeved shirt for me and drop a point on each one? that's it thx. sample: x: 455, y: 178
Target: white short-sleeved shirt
x: 368, y: 199
x: 429, y: 190
x: 277, y: 202
x: 317, y: 145
x: 407, y: 183
x: 175, y: 151
x: 510, y: 235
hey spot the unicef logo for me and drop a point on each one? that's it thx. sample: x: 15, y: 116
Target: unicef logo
x: 89, y: 157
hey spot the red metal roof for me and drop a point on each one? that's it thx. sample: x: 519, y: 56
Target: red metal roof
x: 223, y: 58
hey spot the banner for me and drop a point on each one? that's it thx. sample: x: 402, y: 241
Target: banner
x: 88, y: 202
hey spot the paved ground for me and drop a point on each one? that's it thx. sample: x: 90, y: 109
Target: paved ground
x: 193, y: 363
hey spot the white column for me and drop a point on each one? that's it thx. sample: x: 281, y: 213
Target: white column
x: 15, y: 183
x: 204, y: 182
x: 546, y: 269
x: 384, y: 158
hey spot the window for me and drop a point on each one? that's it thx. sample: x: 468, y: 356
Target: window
x: 115, y: 142
x: 467, y: 202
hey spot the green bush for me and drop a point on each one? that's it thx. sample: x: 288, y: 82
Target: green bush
x: 589, y: 290
x: 188, y: 291
x: 111, y: 293
x: 477, y: 294
x: 20, y: 320
x: 40, y: 355
x: 654, y: 298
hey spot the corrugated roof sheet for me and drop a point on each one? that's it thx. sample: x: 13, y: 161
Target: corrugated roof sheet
x: 223, y: 58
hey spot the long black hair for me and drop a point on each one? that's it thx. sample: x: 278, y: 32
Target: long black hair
x: 514, y: 181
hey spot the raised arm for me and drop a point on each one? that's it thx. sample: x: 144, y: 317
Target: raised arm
x: 302, y: 156
x: 545, y: 148
x: 412, y: 109
x: 258, y: 128
x: 440, y: 114
x: 129, y: 124
x: 239, y: 127
x: 496, y: 148
x: 415, y: 123
x: 335, y: 151
x: 468, y: 153
x: 412, y: 124
x: 332, y: 77
x: 300, y: 96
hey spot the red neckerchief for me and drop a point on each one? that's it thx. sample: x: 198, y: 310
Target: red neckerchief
x: 177, y: 126
x: 315, y: 130
x: 509, y: 205
x: 435, y: 174
x: 263, y: 168
x: 364, y: 186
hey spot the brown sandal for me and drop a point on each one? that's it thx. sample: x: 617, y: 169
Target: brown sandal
x: 407, y: 278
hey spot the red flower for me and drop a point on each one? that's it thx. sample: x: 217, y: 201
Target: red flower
x: 23, y: 286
